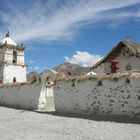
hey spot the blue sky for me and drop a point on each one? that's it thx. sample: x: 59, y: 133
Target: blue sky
x: 76, y: 31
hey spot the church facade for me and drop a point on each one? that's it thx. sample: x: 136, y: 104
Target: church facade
x: 12, y: 63
x: 127, y: 55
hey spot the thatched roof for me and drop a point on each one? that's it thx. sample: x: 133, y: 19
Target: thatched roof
x: 15, y: 84
x: 114, y: 77
x: 116, y: 51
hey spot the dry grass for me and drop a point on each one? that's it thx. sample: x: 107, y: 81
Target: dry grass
x: 114, y: 77
x: 15, y: 84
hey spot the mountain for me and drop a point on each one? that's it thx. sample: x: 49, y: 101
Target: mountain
x: 74, y: 69
x: 31, y: 76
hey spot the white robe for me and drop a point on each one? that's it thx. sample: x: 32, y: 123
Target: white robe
x: 42, y: 97
x: 46, y: 91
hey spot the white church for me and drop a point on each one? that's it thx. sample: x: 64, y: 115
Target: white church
x: 12, y: 63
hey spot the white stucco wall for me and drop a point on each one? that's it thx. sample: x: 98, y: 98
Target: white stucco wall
x: 9, y: 56
x: 114, y: 97
x: 11, y: 71
x: 24, y: 96
x: 20, y: 57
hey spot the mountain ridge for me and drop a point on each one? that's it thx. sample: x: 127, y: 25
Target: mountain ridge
x: 73, y: 69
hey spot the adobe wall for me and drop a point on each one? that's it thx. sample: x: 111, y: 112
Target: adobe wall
x: 113, y: 95
x: 20, y: 95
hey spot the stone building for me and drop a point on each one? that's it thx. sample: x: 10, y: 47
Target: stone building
x: 12, y: 65
x: 126, y: 53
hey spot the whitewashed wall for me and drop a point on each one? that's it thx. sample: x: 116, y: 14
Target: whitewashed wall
x: 24, y: 96
x: 11, y: 71
x: 9, y: 56
x: 116, y: 96
x: 20, y: 57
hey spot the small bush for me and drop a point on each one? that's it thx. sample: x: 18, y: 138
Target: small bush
x: 127, y: 80
x: 73, y: 84
x: 115, y: 78
x: 99, y: 83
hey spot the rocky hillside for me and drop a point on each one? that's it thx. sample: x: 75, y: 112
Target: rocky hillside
x: 74, y: 69
x: 31, y: 76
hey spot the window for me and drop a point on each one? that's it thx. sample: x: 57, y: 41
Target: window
x: 14, y: 57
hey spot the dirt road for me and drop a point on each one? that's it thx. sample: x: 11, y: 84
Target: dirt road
x: 27, y: 125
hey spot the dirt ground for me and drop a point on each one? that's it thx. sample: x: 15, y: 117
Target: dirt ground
x: 28, y: 125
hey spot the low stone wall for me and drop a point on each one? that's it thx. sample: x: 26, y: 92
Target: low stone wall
x: 108, y: 95
x: 20, y: 95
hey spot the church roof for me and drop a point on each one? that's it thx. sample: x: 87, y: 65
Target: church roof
x: 9, y: 43
x: 117, y: 50
x: 8, y: 40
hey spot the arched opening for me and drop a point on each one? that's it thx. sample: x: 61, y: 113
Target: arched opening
x: 46, y: 98
x: 14, y: 57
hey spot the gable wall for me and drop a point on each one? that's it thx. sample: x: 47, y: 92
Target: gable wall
x: 99, y: 69
x: 132, y: 60
x: 123, y: 58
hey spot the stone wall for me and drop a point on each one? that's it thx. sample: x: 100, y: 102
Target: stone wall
x: 111, y: 95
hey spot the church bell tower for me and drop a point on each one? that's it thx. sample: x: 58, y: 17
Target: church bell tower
x: 12, y: 64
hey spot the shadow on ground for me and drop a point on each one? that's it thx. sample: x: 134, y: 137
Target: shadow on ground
x: 113, y: 118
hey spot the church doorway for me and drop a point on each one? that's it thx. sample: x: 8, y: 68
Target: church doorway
x: 46, y: 98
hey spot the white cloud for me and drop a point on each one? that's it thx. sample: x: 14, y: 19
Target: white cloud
x: 31, y: 62
x: 36, y: 68
x: 49, y: 21
x: 83, y: 58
